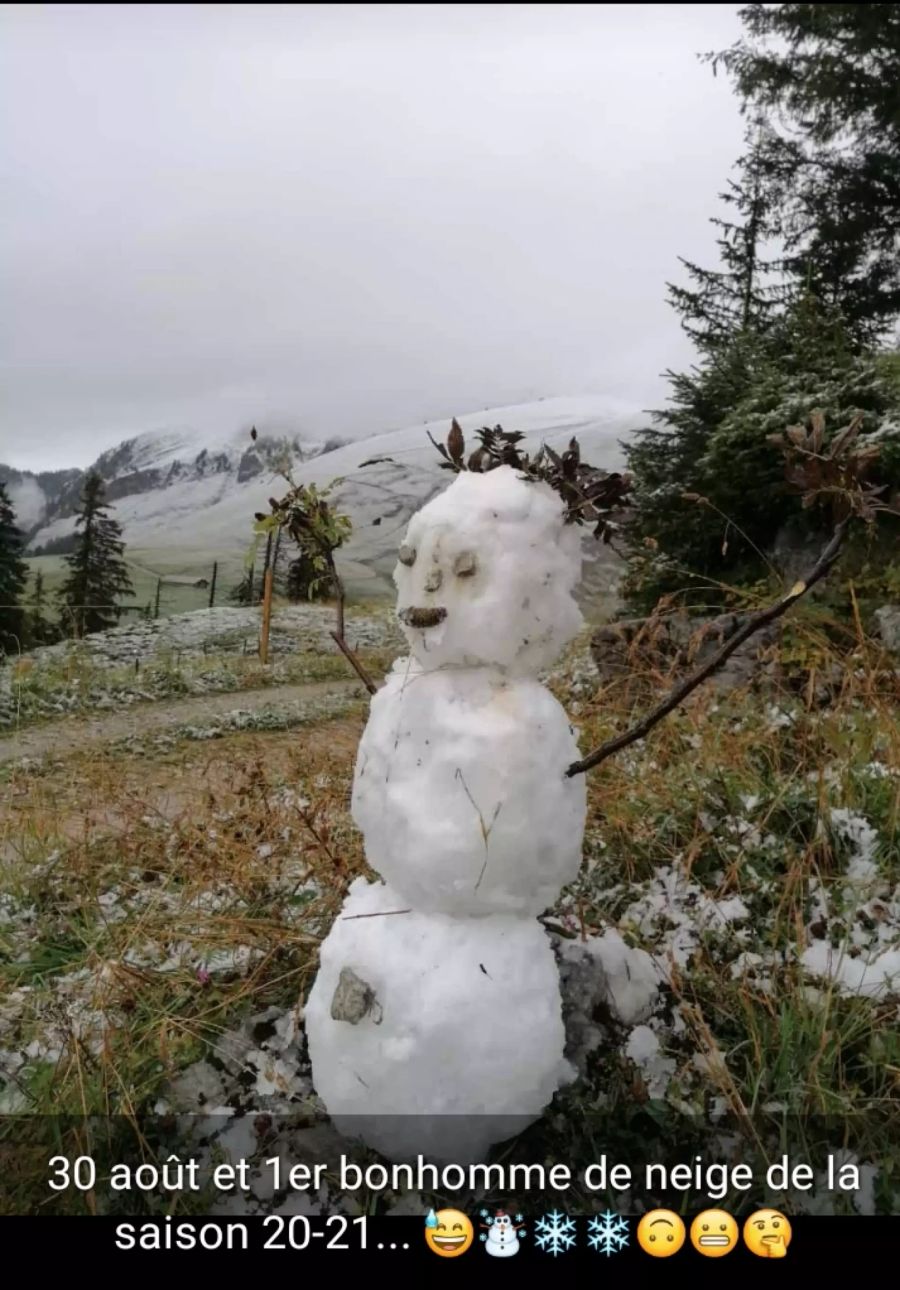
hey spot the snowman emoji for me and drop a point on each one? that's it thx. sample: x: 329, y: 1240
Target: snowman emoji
x: 502, y: 1233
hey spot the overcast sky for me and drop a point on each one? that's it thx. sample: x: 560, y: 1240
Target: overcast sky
x: 344, y: 218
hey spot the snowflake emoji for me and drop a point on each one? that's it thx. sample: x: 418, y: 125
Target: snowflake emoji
x: 608, y: 1233
x: 555, y: 1233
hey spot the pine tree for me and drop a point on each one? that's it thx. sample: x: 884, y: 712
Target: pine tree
x: 305, y: 580
x: 713, y: 446
x: 831, y: 72
x: 743, y: 293
x: 98, y: 576
x: 13, y: 577
x: 247, y: 591
x: 40, y: 629
x: 666, y: 537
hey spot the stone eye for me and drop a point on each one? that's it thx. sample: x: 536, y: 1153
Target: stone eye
x: 406, y: 555
x: 464, y: 565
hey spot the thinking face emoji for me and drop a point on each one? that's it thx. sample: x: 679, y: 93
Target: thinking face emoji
x: 448, y: 1232
x: 768, y: 1234
x: 660, y: 1233
x: 714, y: 1233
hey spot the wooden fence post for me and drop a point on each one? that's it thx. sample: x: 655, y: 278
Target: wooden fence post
x: 212, y: 585
x: 266, y: 618
x: 156, y: 606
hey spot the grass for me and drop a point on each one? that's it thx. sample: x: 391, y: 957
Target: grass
x: 78, y: 684
x: 81, y: 677
x: 153, y: 902
x: 151, y: 925
x: 145, y: 570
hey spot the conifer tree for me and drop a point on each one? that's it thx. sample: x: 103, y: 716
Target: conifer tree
x: 743, y: 293
x: 830, y: 75
x: 13, y: 577
x: 247, y: 591
x: 305, y: 580
x: 710, y: 495
x: 40, y: 629
x: 98, y: 577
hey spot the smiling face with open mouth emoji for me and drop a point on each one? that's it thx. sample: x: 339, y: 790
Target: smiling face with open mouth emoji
x: 768, y: 1234
x: 714, y: 1233
x: 448, y: 1232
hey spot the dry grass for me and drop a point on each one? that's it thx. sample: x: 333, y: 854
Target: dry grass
x: 152, y: 901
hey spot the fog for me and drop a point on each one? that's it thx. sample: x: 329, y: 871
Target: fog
x: 344, y: 218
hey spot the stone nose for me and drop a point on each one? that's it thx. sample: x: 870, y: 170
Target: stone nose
x: 434, y: 580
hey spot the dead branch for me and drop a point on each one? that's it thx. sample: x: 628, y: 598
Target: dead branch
x: 753, y: 624
x: 354, y: 663
x: 338, y: 635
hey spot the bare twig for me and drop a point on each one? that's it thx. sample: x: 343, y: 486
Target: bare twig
x: 338, y: 635
x: 753, y: 624
x: 379, y: 913
x: 354, y: 663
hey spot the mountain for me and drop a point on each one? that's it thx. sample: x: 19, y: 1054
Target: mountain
x: 147, y: 464
x: 182, y: 505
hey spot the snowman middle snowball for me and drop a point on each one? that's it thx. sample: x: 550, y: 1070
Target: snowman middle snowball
x: 460, y: 794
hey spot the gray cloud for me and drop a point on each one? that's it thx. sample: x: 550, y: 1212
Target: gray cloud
x: 354, y: 217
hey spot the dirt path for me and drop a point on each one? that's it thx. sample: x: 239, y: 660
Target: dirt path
x: 76, y: 733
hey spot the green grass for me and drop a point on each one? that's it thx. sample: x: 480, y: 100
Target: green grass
x: 145, y: 568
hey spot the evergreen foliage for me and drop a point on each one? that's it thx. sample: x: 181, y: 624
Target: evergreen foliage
x: 248, y: 590
x: 13, y: 577
x: 98, y: 577
x: 305, y: 580
x: 829, y: 74
x: 744, y: 292
x: 40, y: 629
x: 711, y: 498
x: 779, y: 335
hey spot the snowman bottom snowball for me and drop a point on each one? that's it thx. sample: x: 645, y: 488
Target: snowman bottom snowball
x: 434, y: 1035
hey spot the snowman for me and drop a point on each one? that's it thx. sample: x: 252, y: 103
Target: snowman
x: 502, y: 1239
x: 434, y: 1024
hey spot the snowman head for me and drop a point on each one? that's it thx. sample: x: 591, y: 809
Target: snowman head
x: 486, y: 572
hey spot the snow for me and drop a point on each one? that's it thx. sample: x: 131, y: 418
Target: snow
x: 870, y: 977
x: 463, y: 1046
x: 642, y: 1045
x: 28, y: 501
x: 685, y: 910
x: 643, y: 1048
x: 856, y: 830
x: 608, y: 970
x: 460, y: 793
x: 493, y: 553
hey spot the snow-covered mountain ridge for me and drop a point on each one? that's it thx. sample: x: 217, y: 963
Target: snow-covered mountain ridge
x: 174, y: 494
